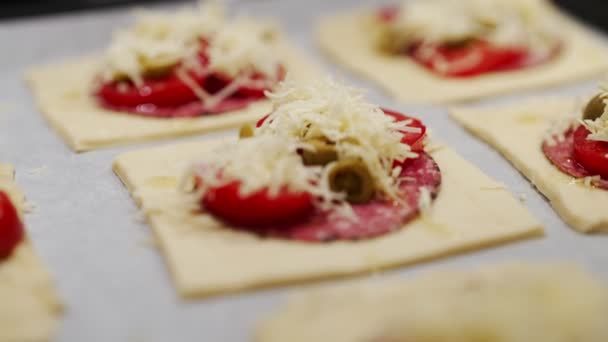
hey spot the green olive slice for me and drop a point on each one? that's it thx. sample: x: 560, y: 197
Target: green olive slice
x: 390, y: 42
x: 352, y: 177
x: 595, y: 107
x: 323, y: 153
x: 246, y: 131
x: 156, y: 67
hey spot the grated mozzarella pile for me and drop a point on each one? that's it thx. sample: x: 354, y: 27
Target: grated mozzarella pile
x: 327, y: 109
x: 262, y: 162
x: 502, y: 22
x: 169, y: 37
x: 599, y: 126
x: 236, y: 47
x: 240, y: 47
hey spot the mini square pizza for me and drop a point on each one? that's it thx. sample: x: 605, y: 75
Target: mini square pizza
x: 562, y: 152
x: 169, y: 75
x: 512, y: 302
x: 30, y: 306
x: 428, y: 51
x: 326, y: 185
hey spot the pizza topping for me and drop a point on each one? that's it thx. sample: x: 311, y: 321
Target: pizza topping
x: 480, y: 35
x: 339, y: 114
x: 258, y: 163
x: 420, y: 178
x: 571, y: 150
x: 323, y: 147
x: 11, y: 228
x: 188, y: 63
x: 562, y: 153
x: 240, y: 47
x: 159, y: 39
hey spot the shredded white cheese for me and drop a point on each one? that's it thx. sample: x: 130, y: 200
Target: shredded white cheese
x: 524, y: 23
x: 239, y: 49
x: 324, y: 109
x: 425, y: 201
x: 327, y: 109
x: 160, y: 37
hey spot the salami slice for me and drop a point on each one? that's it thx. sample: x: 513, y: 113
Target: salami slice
x: 372, y: 219
x: 561, y: 154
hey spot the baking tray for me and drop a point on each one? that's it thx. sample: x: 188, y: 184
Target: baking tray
x: 87, y: 229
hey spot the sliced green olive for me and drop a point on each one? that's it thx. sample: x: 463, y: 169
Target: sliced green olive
x: 324, y: 153
x: 352, y: 177
x: 595, y: 107
x: 156, y: 67
x: 390, y: 42
x: 246, y: 131
x: 120, y: 77
x: 461, y: 42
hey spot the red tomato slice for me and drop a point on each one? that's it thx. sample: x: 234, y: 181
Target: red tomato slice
x: 11, y: 228
x: 486, y: 58
x: 258, y: 209
x: 163, y: 92
x: 591, y: 154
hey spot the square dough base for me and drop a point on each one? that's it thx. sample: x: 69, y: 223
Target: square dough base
x: 346, y: 39
x: 62, y: 95
x: 472, y: 211
x: 29, y: 305
x: 518, y: 132
x: 374, y: 310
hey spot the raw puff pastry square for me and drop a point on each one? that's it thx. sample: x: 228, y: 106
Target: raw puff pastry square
x: 347, y: 39
x: 511, y: 302
x: 517, y: 132
x: 29, y: 305
x: 471, y: 212
x: 62, y: 93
